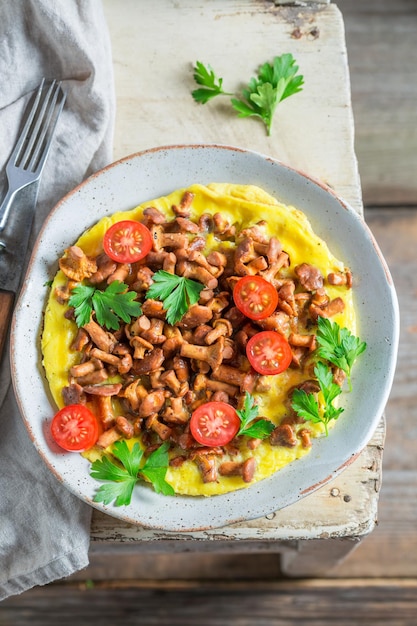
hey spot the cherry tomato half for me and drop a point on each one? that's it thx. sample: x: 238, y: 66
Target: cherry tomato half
x: 255, y: 297
x: 127, y: 241
x: 214, y: 423
x: 269, y: 352
x: 75, y: 428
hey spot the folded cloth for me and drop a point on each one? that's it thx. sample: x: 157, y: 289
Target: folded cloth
x: 44, y: 529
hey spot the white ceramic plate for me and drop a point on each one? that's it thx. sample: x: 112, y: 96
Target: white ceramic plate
x: 157, y: 172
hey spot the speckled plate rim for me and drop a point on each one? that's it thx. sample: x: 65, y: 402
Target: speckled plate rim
x: 153, y: 173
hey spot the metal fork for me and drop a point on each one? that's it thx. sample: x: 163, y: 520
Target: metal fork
x: 28, y: 158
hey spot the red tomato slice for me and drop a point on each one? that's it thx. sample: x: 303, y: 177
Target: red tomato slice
x: 127, y: 241
x: 269, y: 352
x: 75, y: 428
x: 214, y: 423
x: 255, y: 297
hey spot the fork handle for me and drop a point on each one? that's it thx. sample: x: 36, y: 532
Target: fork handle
x: 6, y: 305
x: 6, y: 205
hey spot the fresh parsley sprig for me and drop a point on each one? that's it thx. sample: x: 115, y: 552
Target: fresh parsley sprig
x: 212, y: 85
x: 113, y: 304
x: 307, y: 406
x: 177, y: 294
x: 259, y: 429
x: 275, y: 82
x: 338, y: 346
x: 124, y: 476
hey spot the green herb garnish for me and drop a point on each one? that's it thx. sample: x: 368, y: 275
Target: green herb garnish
x: 124, y: 476
x: 338, y: 346
x: 112, y: 305
x: 211, y: 84
x: 177, y: 294
x: 274, y: 83
x: 259, y: 429
x: 307, y: 406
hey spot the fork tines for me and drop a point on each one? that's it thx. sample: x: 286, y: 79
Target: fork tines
x: 26, y: 162
x: 33, y: 145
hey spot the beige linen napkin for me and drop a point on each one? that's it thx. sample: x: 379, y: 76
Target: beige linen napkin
x: 44, y: 530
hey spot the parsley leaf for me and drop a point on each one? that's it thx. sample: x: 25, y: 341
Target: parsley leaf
x: 338, y: 345
x: 177, y: 293
x: 125, y: 476
x: 116, y: 301
x: 82, y: 301
x: 307, y: 406
x: 212, y: 84
x: 274, y: 83
x: 155, y: 469
x: 259, y: 429
x: 112, y: 305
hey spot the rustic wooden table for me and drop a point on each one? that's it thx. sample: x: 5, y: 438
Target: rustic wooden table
x: 155, y: 45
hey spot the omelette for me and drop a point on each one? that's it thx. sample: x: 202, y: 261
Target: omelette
x: 228, y: 292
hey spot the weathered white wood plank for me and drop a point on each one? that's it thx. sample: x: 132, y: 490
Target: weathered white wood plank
x: 154, y: 49
x: 156, y: 44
